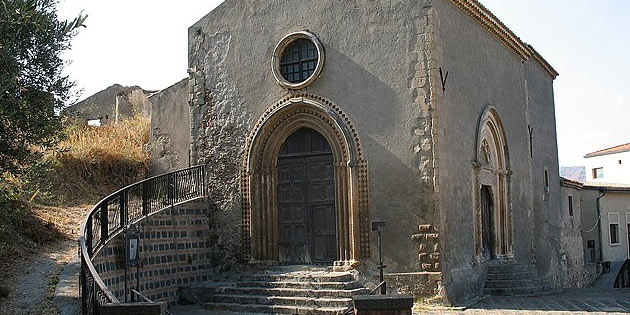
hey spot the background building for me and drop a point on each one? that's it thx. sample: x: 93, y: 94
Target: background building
x: 610, y: 165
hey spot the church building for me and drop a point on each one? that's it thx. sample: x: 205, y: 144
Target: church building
x: 316, y: 118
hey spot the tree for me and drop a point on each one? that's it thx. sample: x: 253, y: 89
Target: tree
x: 32, y: 86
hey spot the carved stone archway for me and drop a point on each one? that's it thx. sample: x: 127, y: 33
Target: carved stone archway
x: 491, y: 172
x: 260, y: 177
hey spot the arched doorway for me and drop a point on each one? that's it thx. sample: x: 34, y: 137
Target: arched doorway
x: 269, y: 152
x: 306, y: 199
x: 491, y: 183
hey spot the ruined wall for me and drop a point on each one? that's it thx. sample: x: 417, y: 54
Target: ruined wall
x: 384, y: 81
x: 99, y: 105
x: 169, y: 140
x: 176, y: 248
x: 112, y: 104
x: 132, y: 101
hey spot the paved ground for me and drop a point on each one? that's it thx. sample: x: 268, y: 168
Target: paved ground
x: 574, y: 301
x: 601, y: 299
x: 32, y: 289
x: 66, y: 297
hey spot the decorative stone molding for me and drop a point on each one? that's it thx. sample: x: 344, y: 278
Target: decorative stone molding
x: 277, y: 55
x: 260, y: 214
x: 493, y: 172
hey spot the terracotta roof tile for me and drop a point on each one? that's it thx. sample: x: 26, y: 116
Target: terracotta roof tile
x: 616, y: 149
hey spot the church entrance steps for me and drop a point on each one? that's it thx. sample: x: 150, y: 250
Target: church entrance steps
x: 511, y: 279
x: 281, y: 290
x: 273, y: 309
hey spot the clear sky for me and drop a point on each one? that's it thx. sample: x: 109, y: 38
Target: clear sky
x: 143, y: 42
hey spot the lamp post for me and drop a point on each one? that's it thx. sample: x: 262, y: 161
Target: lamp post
x: 132, y: 250
x: 378, y: 226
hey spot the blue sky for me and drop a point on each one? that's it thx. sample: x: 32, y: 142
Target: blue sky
x: 143, y: 42
x: 586, y: 42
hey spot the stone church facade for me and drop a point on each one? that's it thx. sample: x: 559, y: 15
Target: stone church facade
x: 316, y: 118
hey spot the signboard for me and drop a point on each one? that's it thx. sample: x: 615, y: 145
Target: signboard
x: 132, y: 245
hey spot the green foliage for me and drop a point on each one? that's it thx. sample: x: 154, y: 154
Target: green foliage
x: 32, y: 86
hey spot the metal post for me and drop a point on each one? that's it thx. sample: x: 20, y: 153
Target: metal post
x: 123, y: 207
x: 378, y: 225
x: 126, y: 262
x: 381, y: 267
x: 104, y: 225
x: 126, y: 280
x: 145, y: 198
x: 138, y: 278
x: 88, y: 236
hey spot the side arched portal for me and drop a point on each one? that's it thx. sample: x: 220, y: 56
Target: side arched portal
x: 261, y: 226
x: 491, y: 190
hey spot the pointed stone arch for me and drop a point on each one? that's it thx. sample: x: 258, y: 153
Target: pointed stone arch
x: 260, y: 178
x: 492, y: 175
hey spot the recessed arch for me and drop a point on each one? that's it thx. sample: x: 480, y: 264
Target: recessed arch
x: 260, y: 177
x: 492, y: 208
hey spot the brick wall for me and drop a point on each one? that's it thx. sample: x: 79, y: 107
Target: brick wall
x: 173, y: 249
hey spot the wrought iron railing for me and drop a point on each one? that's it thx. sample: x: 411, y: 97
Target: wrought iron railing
x: 124, y: 207
x: 623, y: 276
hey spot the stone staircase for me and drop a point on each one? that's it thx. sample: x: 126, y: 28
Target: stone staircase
x: 308, y: 291
x: 511, y: 279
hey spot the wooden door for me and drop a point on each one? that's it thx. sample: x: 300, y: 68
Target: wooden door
x: 293, y: 239
x: 306, y: 202
x: 321, y: 200
x: 487, y: 212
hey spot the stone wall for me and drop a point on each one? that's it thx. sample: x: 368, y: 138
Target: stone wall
x: 169, y: 141
x: 132, y: 102
x: 572, y: 267
x: 416, y: 127
x: 174, y: 250
x: 112, y: 104
x: 231, y: 88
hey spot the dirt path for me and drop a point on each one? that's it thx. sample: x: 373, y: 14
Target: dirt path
x: 32, y: 285
x: 32, y: 280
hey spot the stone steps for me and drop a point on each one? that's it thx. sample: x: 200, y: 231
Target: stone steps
x: 282, y: 292
x: 295, y: 301
x: 343, y: 285
x: 511, y: 276
x: 301, y: 292
x: 511, y: 279
x: 273, y: 309
x: 506, y: 284
x: 319, y: 276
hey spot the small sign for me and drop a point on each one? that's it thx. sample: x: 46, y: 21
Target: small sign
x: 132, y: 245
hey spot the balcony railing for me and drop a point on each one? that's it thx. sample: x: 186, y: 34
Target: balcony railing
x: 125, y: 207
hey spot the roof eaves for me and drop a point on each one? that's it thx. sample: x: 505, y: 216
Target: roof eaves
x: 490, y: 22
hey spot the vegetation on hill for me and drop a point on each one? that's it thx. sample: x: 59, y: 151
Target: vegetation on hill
x: 32, y: 89
x: 92, y: 162
x: 88, y: 164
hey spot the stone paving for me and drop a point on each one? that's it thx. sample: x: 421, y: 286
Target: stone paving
x: 569, y: 301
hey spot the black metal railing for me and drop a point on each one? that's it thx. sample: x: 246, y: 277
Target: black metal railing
x: 623, y: 277
x: 124, y: 207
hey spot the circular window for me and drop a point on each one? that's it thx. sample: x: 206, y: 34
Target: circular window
x: 297, y: 60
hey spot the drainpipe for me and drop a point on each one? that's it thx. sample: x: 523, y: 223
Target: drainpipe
x: 599, y: 224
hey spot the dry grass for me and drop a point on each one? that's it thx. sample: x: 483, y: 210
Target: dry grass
x: 89, y: 164
x: 95, y: 161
